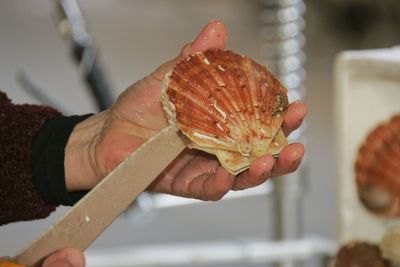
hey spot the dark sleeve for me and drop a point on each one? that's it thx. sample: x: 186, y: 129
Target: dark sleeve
x: 32, y: 143
x: 19, y: 199
x: 48, y: 160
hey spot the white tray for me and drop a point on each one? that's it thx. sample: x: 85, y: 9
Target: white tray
x: 367, y: 92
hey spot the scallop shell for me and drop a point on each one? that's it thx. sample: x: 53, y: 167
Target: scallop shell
x: 227, y: 105
x: 378, y: 169
x: 358, y: 253
x: 390, y: 245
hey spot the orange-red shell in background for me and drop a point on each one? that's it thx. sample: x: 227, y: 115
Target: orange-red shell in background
x: 227, y: 105
x: 9, y: 262
x: 362, y: 254
x: 378, y: 169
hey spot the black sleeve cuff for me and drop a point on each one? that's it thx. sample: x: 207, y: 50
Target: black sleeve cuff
x: 48, y: 160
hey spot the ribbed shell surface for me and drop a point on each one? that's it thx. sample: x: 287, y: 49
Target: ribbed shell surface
x: 378, y: 169
x: 228, y: 103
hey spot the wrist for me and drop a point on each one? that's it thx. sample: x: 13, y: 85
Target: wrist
x: 82, y: 171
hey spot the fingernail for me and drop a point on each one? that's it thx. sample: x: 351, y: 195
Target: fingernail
x: 213, y: 35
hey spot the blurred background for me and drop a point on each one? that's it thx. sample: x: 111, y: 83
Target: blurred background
x: 133, y: 37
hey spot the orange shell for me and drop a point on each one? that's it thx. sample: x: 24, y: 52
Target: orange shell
x: 357, y: 253
x: 378, y: 169
x: 227, y: 105
x: 9, y: 262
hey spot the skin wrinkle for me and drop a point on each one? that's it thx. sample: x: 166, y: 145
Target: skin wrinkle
x: 137, y: 131
x: 85, y: 156
x: 94, y: 160
x: 137, y: 125
x: 144, y: 91
x: 279, y: 168
x: 198, y: 190
x: 204, y: 188
x: 190, y: 180
x: 220, y: 191
x: 183, y: 179
x: 209, y: 181
x: 169, y: 174
x: 169, y: 177
x: 252, y: 177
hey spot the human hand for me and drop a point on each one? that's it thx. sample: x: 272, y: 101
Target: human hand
x: 67, y: 257
x: 98, y: 144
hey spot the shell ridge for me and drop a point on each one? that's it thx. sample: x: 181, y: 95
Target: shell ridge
x: 267, y: 102
x: 197, y: 85
x: 252, y: 90
x: 232, y: 66
x: 242, y: 135
x: 202, y: 126
x: 239, y: 122
x: 225, y: 97
x: 203, y: 115
x: 195, y: 100
x: 220, y: 80
x: 225, y: 94
x: 240, y: 97
x: 205, y: 110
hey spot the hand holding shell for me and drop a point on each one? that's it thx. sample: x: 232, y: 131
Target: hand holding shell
x: 138, y: 114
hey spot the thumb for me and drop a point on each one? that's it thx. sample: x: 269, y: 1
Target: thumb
x: 213, y: 36
x: 68, y: 257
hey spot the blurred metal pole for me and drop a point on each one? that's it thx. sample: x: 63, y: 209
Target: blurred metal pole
x: 283, y: 24
x: 72, y: 26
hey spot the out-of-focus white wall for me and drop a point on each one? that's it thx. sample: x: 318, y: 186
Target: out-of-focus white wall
x: 134, y: 37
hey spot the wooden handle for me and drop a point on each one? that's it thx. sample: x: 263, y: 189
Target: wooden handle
x: 81, y: 225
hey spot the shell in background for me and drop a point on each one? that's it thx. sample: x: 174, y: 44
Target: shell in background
x: 378, y: 169
x: 362, y: 254
x: 390, y: 245
x: 227, y: 105
x: 10, y: 262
